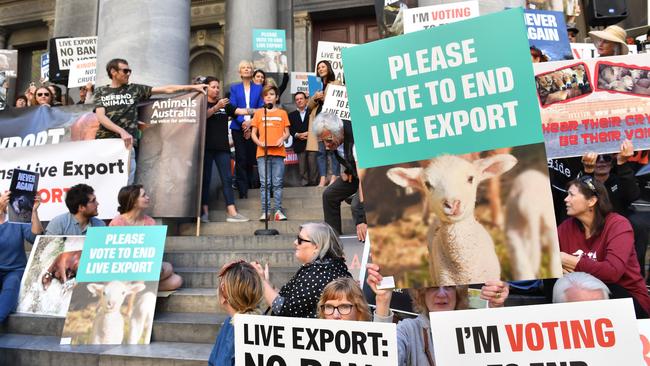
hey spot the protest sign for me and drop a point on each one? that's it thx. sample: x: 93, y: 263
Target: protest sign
x: 24, y: 185
x: 588, y: 50
x: 119, y: 266
x: 69, y: 50
x: 573, y: 334
x: 3, y: 90
x: 102, y: 164
x: 9, y: 62
x: 547, y: 31
x: 315, y: 84
x: 82, y: 73
x: 300, y: 82
x: 45, y: 66
x: 270, y: 50
x: 594, y: 104
x: 273, y: 340
x: 331, y: 51
x: 424, y: 17
x: 390, y: 16
x: 444, y: 95
x: 356, y: 256
x: 644, y: 334
x: 44, y: 288
x: 336, y: 101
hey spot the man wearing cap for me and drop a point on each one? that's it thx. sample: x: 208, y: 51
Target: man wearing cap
x: 610, y: 42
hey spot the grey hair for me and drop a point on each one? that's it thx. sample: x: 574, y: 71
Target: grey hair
x: 580, y: 280
x: 619, y: 50
x: 325, y: 238
x: 328, y: 121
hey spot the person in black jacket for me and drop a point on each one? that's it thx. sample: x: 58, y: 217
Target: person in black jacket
x: 307, y: 168
x: 337, y: 137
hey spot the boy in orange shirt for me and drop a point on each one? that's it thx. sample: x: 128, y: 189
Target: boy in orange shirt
x: 277, y: 131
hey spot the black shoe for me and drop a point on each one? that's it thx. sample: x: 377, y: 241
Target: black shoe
x: 243, y: 196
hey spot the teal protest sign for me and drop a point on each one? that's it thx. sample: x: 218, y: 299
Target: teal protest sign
x: 269, y: 40
x: 122, y: 253
x: 464, y: 87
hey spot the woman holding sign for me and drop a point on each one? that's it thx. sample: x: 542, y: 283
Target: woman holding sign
x: 326, y: 74
x: 319, y: 250
x: 600, y: 242
x: 343, y: 299
x: 414, y: 343
x: 133, y: 200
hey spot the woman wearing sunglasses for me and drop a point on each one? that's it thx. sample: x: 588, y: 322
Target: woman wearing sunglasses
x: 42, y: 96
x: 319, y: 250
x: 342, y: 299
x: 596, y: 240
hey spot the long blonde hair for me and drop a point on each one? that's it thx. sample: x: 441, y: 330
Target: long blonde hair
x: 240, y: 286
x: 348, y: 287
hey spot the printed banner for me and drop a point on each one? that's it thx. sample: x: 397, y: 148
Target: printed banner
x: 390, y: 16
x: 45, y: 67
x: 331, y: 51
x: 270, y: 50
x: 336, y: 101
x: 9, y: 62
x: 416, y: 19
x: 435, y: 114
x: 356, y: 256
x: 300, y: 82
x: 50, y: 275
x: 23, y: 187
x: 118, y: 274
x: 547, y: 31
x: 274, y: 340
x: 590, y: 333
x: 102, y: 164
x: 594, y: 104
x: 82, y: 73
x: 69, y: 50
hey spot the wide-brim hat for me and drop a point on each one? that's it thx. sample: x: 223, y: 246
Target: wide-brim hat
x: 613, y: 33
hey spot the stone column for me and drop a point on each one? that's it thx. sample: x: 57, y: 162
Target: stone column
x: 152, y: 35
x: 3, y: 38
x: 302, y: 42
x: 76, y: 18
x: 241, y: 18
x: 285, y: 21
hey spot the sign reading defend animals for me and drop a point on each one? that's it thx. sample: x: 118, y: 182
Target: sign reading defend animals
x: 448, y: 130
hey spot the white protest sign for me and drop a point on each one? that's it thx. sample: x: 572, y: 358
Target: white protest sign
x: 416, y: 19
x: 644, y: 334
x: 588, y: 50
x: 274, y: 340
x: 82, y: 72
x: 572, y: 334
x: 9, y: 62
x: 69, y: 50
x: 102, y: 164
x: 336, y: 101
x: 331, y: 51
x: 45, y: 66
x: 300, y: 82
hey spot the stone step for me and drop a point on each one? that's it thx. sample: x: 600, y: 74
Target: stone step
x: 167, y: 327
x: 312, y: 202
x: 306, y: 214
x: 291, y: 226
x: 191, y: 300
x: 220, y: 242
x: 207, y: 278
x: 32, y: 350
x: 293, y: 192
x: 217, y: 258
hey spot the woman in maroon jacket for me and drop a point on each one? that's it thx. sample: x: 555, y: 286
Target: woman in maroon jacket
x: 601, y: 242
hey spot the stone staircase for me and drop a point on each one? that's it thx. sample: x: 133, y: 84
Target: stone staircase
x: 187, y: 322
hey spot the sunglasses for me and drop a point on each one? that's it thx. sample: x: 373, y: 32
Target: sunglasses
x: 301, y: 240
x: 42, y: 94
x: 343, y: 309
x: 227, y: 267
x: 606, y: 158
x: 589, y: 182
x: 126, y: 71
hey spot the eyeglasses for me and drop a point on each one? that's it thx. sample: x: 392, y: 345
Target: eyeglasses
x: 343, y: 309
x: 42, y: 94
x: 589, y: 182
x: 227, y: 267
x: 301, y: 240
x: 125, y: 71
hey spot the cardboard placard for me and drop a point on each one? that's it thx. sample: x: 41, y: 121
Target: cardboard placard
x: 336, y: 101
x: 69, y: 50
x: 331, y: 51
x: 416, y: 19
x: 23, y: 188
x: 82, y: 73
x: 547, y: 31
x: 300, y: 82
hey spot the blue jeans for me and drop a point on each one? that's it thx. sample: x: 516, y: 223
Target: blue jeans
x: 9, y: 293
x: 321, y: 161
x: 222, y: 158
x: 276, y: 176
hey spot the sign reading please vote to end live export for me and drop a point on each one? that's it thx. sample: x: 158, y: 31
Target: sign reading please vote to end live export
x: 459, y: 88
x: 593, y: 333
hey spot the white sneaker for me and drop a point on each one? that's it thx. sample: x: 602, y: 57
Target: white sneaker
x: 237, y: 218
x: 204, y: 218
x: 279, y: 216
x: 264, y: 217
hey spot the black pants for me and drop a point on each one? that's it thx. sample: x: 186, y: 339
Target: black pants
x: 333, y: 195
x: 244, y: 162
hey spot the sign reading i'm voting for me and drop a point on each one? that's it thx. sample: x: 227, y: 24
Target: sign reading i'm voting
x: 274, y: 340
x: 424, y: 17
x: 589, y: 333
x: 454, y: 90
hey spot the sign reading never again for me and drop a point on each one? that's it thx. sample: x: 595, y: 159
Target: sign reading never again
x: 453, y: 89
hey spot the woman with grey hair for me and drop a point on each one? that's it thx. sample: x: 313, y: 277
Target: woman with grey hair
x: 579, y: 286
x: 319, y: 250
x: 610, y: 42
